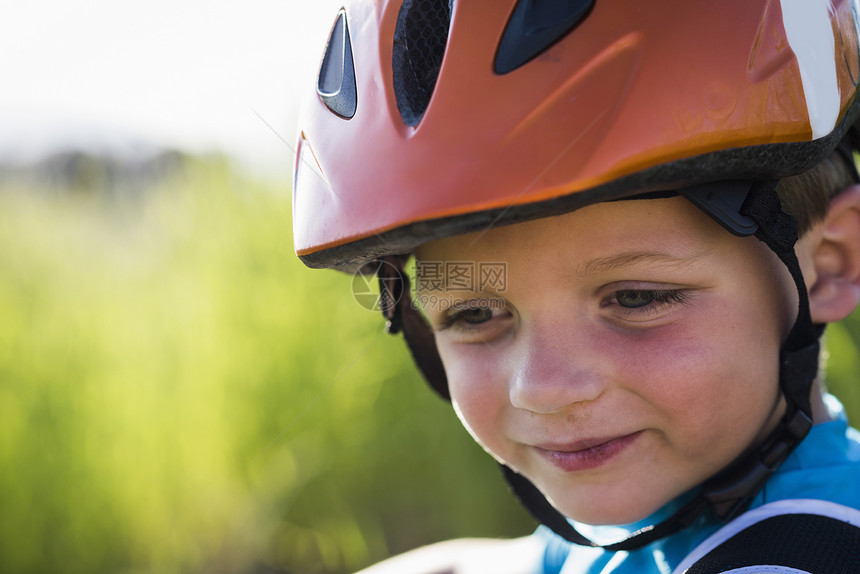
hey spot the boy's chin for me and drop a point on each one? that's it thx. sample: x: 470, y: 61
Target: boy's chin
x: 606, y: 510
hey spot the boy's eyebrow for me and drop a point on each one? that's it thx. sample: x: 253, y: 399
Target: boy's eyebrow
x: 624, y: 260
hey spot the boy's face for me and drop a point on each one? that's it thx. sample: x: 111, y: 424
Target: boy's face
x: 630, y: 353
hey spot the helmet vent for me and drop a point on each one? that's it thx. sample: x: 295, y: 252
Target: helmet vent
x: 336, y: 82
x: 419, y: 46
x: 536, y: 25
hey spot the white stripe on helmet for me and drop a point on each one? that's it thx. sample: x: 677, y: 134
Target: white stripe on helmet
x: 810, y: 34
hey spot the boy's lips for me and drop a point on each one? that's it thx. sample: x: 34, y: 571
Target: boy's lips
x: 585, y: 454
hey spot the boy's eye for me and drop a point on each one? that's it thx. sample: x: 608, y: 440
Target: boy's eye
x: 474, y: 316
x: 632, y: 299
x: 475, y: 322
x: 642, y: 301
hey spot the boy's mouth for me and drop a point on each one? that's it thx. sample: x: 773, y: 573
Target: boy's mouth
x: 585, y: 454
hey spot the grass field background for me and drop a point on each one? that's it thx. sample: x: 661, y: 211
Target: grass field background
x: 179, y: 394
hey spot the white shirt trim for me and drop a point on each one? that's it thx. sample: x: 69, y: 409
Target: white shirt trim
x: 763, y: 569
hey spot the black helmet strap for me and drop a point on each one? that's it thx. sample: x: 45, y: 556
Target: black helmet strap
x: 744, y: 208
x: 760, y: 213
x: 400, y: 314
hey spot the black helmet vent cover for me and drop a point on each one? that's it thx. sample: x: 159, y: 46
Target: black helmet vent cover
x: 336, y: 82
x: 419, y: 46
x: 535, y: 25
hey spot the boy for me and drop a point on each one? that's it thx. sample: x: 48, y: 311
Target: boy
x: 646, y: 369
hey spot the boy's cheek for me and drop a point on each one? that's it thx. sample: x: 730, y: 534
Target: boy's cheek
x: 711, y: 355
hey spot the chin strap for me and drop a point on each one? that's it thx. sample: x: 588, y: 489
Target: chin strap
x: 401, y: 314
x: 744, y: 208
x: 731, y: 491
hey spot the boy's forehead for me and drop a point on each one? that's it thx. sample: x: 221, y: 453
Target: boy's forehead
x: 611, y: 234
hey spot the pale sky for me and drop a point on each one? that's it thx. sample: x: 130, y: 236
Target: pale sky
x: 191, y: 73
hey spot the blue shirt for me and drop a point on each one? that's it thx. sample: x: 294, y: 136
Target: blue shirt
x: 826, y: 466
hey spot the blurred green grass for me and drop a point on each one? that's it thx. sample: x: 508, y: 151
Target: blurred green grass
x: 179, y: 394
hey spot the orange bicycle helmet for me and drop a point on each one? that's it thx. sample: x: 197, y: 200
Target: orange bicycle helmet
x: 433, y: 118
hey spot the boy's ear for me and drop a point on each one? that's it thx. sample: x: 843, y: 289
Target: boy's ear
x: 832, y: 253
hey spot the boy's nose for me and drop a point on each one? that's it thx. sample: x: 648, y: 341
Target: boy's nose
x: 552, y: 373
